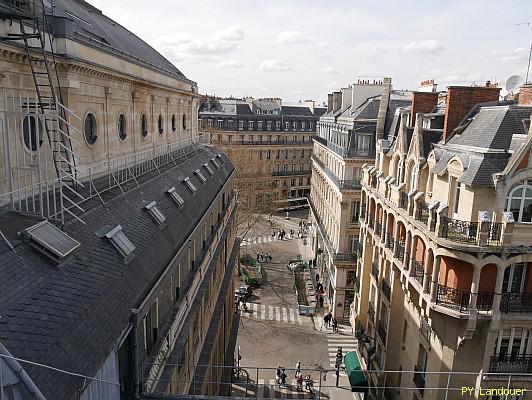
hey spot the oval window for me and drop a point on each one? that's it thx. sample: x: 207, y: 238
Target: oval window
x: 121, y: 126
x: 143, y: 125
x: 173, y: 123
x: 160, y: 123
x: 90, y: 128
x: 184, y: 121
x: 32, y: 130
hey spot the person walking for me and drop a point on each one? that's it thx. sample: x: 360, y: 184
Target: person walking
x: 329, y: 317
x: 308, y: 383
x: 298, y: 369
x: 283, y: 378
x: 278, y: 376
x: 335, y: 325
x: 258, y: 255
x: 321, y: 301
x: 299, y: 382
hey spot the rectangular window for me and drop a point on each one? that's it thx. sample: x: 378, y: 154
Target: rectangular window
x: 260, y: 126
x: 260, y: 154
x: 269, y: 154
x: 355, y: 211
x: 278, y: 154
x: 241, y: 138
x: 310, y: 126
x: 269, y: 125
x: 286, y: 125
x: 220, y: 123
x: 292, y: 182
x: 278, y: 125
x: 241, y: 125
x: 364, y: 143
x: 294, y: 125
x: 230, y: 124
x: 250, y: 125
x: 293, y: 167
x: 457, y: 197
x: 260, y: 138
x: 303, y: 125
x: 251, y: 138
x: 300, y: 181
x: 302, y: 153
x: 210, y: 122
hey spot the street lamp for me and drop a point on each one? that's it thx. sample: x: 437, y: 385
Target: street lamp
x: 339, y: 359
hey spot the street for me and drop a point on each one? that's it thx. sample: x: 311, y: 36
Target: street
x: 272, y: 333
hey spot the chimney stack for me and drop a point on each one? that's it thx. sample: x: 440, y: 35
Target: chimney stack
x: 337, y: 101
x: 329, y: 102
x: 310, y: 104
x: 383, y: 108
x: 347, y: 96
x: 461, y: 99
x: 422, y: 102
x: 525, y: 95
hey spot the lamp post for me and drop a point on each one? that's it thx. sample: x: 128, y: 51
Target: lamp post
x: 339, y: 359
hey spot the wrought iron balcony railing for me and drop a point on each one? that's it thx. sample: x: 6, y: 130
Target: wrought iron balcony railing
x: 459, y: 231
x: 381, y: 330
x: 425, y: 329
x: 375, y: 271
x: 512, y: 364
x: 419, y: 379
x: 516, y: 302
x: 452, y: 298
x: 378, y: 228
x: 400, y: 249
x: 386, y: 289
x: 290, y: 173
x: 418, y: 271
x: 403, y: 200
x: 389, y: 241
x: 423, y: 213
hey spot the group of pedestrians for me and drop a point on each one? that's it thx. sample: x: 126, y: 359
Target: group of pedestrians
x: 280, y: 378
x: 281, y: 234
x: 330, y: 321
x: 319, y: 292
x: 265, y: 257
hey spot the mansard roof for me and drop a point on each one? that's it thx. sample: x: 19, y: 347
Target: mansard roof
x: 70, y: 316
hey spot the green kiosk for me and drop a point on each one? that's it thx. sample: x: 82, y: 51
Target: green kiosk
x: 354, y: 372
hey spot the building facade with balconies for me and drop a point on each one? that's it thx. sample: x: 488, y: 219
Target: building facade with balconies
x: 270, y: 144
x: 344, y: 142
x: 445, y: 276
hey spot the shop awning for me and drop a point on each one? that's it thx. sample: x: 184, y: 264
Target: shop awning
x: 354, y: 372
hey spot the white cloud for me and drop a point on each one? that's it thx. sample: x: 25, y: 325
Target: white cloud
x: 229, y: 64
x: 423, y: 47
x: 329, y: 70
x: 517, y: 55
x: 273, y: 66
x: 297, y: 37
x: 456, y: 77
x: 232, y: 34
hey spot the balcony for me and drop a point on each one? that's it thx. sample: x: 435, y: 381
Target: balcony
x: 353, y: 184
x: 423, y: 213
x: 419, y: 379
x: 346, y: 152
x: 345, y: 257
x: 516, y: 302
x: 263, y: 142
x: 454, y: 299
x: 371, y: 312
x: 418, y: 271
x: 403, y: 200
x: 386, y: 290
x: 459, y: 231
x: 389, y: 241
x: 290, y: 173
x: 375, y: 271
x: 425, y: 329
x: 381, y: 331
x: 511, y: 364
x: 378, y: 228
x: 400, y: 249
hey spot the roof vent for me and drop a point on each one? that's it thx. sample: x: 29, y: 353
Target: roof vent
x: 208, y: 168
x: 120, y: 241
x: 154, y: 211
x: 215, y: 163
x: 200, y: 175
x: 189, y: 184
x: 220, y: 158
x: 50, y: 240
x: 175, y: 196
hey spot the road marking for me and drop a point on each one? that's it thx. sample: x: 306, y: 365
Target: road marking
x: 255, y: 310
x: 285, y: 314
x: 278, y: 313
x: 263, y: 311
x: 292, y: 317
x: 271, y: 312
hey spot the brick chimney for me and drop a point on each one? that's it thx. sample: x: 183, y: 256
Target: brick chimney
x: 337, y: 101
x: 329, y: 102
x: 422, y: 102
x: 525, y: 95
x: 461, y: 99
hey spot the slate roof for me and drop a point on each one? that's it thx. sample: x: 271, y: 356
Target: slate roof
x: 485, y: 142
x: 84, y: 23
x: 240, y: 107
x: 71, y: 316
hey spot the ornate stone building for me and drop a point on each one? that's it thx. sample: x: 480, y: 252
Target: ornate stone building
x: 270, y: 144
x: 117, y: 233
x: 443, y: 281
x: 346, y: 135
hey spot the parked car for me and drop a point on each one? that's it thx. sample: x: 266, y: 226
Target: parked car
x: 244, y: 291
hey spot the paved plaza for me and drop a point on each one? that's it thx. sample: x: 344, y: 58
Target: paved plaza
x: 272, y: 333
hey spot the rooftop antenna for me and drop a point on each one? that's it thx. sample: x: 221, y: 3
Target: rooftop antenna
x: 514, y: 83
x: 529, y: 53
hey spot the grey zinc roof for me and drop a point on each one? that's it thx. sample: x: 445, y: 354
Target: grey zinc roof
x: 296, y: 110
x: 82, y: 22
x: 71, y: 317
x: 430, y: 136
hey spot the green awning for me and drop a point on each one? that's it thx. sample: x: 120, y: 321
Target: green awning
x: 354, y: 372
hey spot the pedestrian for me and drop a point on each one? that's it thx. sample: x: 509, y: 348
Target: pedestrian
x: 317, y: 277
x: 335, y: 325
x: 283, y: 378
x: 317, y: 295
x: 258, y: 255
x: 261, y: 256
x: 270, y: 257
x: 327, y: 319
x: 298, y: 369
x: 308, y: 383
x: 300, y: 382
x: 321, y: 301
x: 273, y: 234
x: 278, y: 375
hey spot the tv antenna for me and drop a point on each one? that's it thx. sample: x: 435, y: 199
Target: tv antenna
x: 514, y: 83
x: 530, y: 52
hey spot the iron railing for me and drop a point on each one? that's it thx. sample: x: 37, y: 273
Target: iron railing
x: 375, y: 271
x: 389, y: 241
x: 419, y: 379
x: 423, y: 213
x: 290, y: 173
x: 345, y: 257
x: 511, y: 363
x: 403, y: 200
x: 425, y: 329
x: 452, y: 298
x: 418, y: 271
x: 516, y: 302
x: 386, y: 290
x: 354, y: 184
x: 495, y: 234
x: 378, y: 228
x: 459, y: 231
x: 381, y: 330
x: 371, y: 312
x: 400, y: 249
x: 484, y: 301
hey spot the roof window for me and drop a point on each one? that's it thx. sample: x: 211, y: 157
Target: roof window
x: 215, y: 163
x: 154, y: 211
x: 189, y: 184
x: 50, y: 240
x: 200, y: 175
x: 175, y: 196
x: 208, y: 168
x: 120, y: 241
x: 220, y: 159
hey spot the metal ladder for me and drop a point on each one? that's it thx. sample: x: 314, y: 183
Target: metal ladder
x: 31, y: 15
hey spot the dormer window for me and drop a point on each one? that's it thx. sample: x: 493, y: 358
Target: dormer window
x: 175, y: 196
x: 120, y: 242
x: 189, y: 184
x: 154, y: 211
x: 200, y: 176
x: 208, y: 168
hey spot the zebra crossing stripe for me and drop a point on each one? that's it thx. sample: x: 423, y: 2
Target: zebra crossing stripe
x: 270, y: 312
x: 292, y: 317
x: 285, y: 315
x: 274, y: 313
x: 263, y: 311
x: 278, y: 313
x: 255, y: 310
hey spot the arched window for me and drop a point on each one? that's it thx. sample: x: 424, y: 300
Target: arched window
x: 143, y: 125
x: 32, y: 128
x: 90, y: 128
x: 519, y: 202
x: 121, y: 126
x: 160, y: 124
x: 413, y: 177
x: 184, y: 121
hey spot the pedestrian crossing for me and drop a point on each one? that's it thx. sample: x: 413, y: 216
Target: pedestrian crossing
x: 266, y: 312
x: 264, y: 239
x: 269, y: 388
x: 344, y: 339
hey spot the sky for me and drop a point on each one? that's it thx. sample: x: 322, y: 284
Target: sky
x: 299, y: 50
